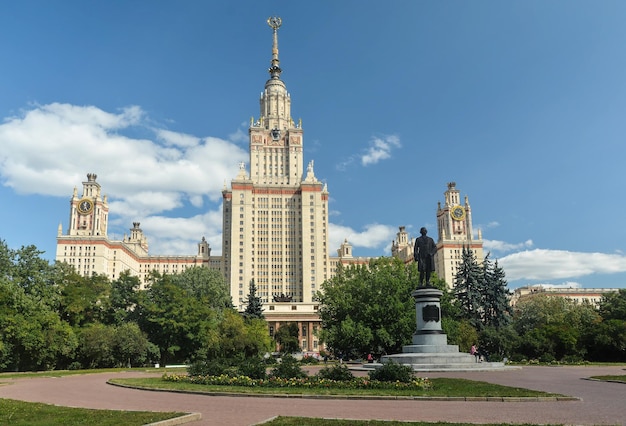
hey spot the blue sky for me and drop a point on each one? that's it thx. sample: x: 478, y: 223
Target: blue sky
x: 521, y: 103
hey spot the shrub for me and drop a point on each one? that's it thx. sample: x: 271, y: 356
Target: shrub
x: 253, y: 368
x: 573, y: 359
x: 495, y: 358
x: 75, y: 366
x: 338, y: 372
x: 547, y: 357
x: 392, y: 372
x: 516, y: 357
x: 288, y: 368
x: 212, y: 367
x: 309, y: 360
x: 270, y: 360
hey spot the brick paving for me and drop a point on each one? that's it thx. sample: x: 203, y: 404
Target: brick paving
x: 601, y: 402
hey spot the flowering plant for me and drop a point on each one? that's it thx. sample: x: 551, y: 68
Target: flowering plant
x: 312, y: 382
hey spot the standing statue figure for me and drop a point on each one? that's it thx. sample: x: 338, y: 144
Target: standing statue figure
x: 424, y: 254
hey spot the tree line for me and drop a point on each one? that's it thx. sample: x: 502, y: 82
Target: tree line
x: 53, y: 318
x: 367, y: 309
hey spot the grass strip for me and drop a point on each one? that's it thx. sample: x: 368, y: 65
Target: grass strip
x: 620, y: 379
x: 442, y: 387
x: 20, y: 413
x: 62, y: 373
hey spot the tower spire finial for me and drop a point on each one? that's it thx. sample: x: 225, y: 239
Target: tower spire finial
x: 275, y: 22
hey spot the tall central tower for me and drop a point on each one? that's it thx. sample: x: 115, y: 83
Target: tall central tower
x: 275, y: 218
x: 454, y: 225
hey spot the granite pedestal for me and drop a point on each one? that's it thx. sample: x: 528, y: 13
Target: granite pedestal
x: 430, y: 350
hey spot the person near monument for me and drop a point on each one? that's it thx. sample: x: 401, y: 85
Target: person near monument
x: 474, y: 351
x: 424, y: 254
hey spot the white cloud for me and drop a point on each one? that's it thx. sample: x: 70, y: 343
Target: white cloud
x: 167, y: 235
x: 49, y: 149
x: 176, y: 139
x: 503, y: 247
x: 541, y: 264
x: 239, y: 136
x: 373, y: 236
x: 380, y: 149
x: 343, y: 166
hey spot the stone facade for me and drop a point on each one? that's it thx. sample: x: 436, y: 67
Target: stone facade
x: 87, y: 247
x: 592, y: 296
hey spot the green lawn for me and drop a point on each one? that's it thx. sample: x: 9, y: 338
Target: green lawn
x: 61, y: 373
x: 19, y: 413
x: 442, y: 387
x: 621, y: 379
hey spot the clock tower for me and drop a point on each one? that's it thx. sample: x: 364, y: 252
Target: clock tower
x: 454, y: 225
x: 89, y: 213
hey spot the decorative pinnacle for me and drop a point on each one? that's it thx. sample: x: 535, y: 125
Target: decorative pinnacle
x: 275, y: 22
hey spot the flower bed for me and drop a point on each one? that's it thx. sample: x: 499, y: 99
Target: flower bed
x: 312, y: 382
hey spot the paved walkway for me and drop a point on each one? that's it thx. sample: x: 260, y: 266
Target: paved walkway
x: 601, y: 402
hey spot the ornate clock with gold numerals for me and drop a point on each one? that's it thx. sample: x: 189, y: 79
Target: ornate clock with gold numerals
x: 85, y: 206
x: 457, y: 212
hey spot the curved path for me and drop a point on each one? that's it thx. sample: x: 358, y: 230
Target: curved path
x: 601, y: 402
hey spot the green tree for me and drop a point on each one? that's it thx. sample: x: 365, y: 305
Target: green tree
x: 254, y: 308
x: 460, y: 332
x: 498, y: 342
x: 369, y: 309
x: 613, y: 305
x: 496, y: 307
x: 258, y: 338
x: 181, y: 325
x: 608, y: 341
x: 83, y: 299
x: 27, y: 269
x: 97, y: 346
x: 239, y: 338
x: 32, y: 336
x: 205, y: 284
x: 468, y: 288
x: 131, y: 345
x: 287, y: 338
x: 122, y: 299
x: 553, y: 326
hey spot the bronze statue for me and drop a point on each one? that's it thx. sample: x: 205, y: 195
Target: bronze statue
x: 424, y: 254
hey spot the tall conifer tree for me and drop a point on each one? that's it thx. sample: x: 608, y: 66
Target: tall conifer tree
x: 255, y: 306
x: 468, y: 288
x: 497, y: 310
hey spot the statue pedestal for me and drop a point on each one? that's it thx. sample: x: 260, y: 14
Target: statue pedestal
x: 430, y: 350
x: 428, y: 336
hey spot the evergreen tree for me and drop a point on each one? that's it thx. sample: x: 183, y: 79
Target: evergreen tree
x: 468, y: 288
x: 496, y: 308
x: 255, y: 307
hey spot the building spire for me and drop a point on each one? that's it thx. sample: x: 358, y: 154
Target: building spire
x: 275, y: 22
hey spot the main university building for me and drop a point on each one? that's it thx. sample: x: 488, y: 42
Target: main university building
x: 275, y: 226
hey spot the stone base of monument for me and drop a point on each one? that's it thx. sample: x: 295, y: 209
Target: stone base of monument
x: 430, y: 350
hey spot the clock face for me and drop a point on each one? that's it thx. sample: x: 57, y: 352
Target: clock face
x: 457, y: 213
x: 85, y: 206
x: 275, y: 134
